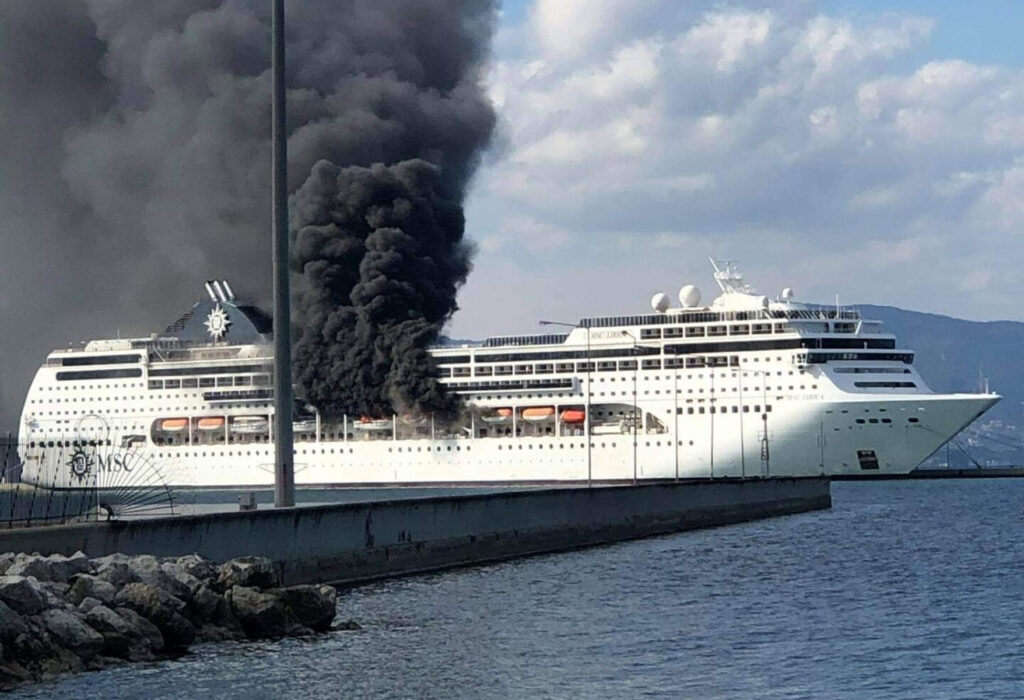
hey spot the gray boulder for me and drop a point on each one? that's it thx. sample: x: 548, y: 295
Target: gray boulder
x: 86, y: 586
x: 261, y: 615
x: 214, y: 633
x: 118, y: 634
x: 59, y: 662
x: 41, y: 568
x: 24, y: 594
x: 72, y: 633
x: 146, y: 636
x: 179, y: 578
x: 141, y: 563
x: 311, y: 606
x: 32, y: 644
x: 117, y: 573
x: 200, y: 567
x: 55, y: 567
x: 6, y: 559
x: 66, y: 567
x: 166, y: 576
x: 162, y: 609
x: 88, y: 604
x: 247, y: 572
x: 11, y: 626
x: 205, y: 604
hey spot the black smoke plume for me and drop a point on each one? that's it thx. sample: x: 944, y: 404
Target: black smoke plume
x: 136, y: 157
x: 382, y: 250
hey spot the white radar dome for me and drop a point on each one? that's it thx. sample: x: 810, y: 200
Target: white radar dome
x: 787, y: 293
x: 689, y: 296
x: 659, y: 302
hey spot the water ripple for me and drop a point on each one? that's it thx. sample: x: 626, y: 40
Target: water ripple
x: 903, y: 590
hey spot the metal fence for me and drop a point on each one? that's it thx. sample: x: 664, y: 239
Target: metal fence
x: 77, y: 480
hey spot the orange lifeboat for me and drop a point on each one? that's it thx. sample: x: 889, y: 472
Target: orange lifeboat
x: 538, y: 413
x: 573, y: 415
x: 173, y: 425
x: 366, y: 423
x: 498, y: 415
x: 210, y: 423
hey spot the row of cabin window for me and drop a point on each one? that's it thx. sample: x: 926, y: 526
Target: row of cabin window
x: 700, y: 410
x: 205, y: 382
x: 604, y: 366
x: 714, y: 331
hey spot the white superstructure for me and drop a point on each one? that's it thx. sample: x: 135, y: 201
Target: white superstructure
x: 745, y: 386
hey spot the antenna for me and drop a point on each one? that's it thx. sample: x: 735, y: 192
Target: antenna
x: 728, y: 278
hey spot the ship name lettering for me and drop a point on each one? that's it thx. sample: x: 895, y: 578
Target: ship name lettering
x: 113, y: 463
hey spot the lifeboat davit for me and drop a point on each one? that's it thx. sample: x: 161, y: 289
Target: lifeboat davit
x: 537, y: 414
x: 210, y: 423
x: 500, y: 415
x: 174, y: 425
x: 574, y: 415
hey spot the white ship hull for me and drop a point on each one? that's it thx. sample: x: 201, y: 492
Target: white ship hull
x: 805, y: 439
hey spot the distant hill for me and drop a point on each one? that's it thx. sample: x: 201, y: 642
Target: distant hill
x: 958, y: 355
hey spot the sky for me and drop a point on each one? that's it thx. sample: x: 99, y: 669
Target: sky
x: 870, y: 150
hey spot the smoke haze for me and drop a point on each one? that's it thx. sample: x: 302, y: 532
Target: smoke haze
x: 136, y: 164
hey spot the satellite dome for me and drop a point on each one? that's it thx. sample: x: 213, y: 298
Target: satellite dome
x: 659, y: 302
x: 787, y: 293
x: 689, y: 296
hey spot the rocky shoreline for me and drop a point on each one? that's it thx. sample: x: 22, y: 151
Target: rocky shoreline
x: 66, y: 614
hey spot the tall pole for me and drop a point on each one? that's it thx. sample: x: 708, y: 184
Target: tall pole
x: 712, y: 409
x: 636, y: 373
x: 743, y: 437
x: 636, y: 367
x: 675, y: 409
x: 284, y: 456
x: 586, y: 416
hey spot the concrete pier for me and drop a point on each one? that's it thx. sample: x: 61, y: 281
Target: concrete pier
x: 348, y: 543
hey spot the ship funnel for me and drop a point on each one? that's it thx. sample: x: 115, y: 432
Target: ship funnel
x: 228, y: 290
x: 209, y: 290
x: 220, y: 291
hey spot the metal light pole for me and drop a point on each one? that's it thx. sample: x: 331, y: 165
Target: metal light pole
x: 284, y: 455
x: 764, y: 414
x: 586, y: 413
x: 743, y: 447
x: 636, y: 367
x: 675, y: 409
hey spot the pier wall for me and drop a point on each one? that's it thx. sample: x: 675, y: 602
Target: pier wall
x: 347, y: 543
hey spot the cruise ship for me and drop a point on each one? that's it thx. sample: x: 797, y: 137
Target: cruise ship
x: 745, y: 386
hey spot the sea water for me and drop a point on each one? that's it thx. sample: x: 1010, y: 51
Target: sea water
x: 904, y: 589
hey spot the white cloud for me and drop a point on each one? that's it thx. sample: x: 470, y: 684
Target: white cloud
x: 807, y: 145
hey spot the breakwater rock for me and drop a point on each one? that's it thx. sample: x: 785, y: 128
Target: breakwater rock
x: 63, y: 614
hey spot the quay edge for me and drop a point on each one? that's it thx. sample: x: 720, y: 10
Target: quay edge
x: 355, y: 542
